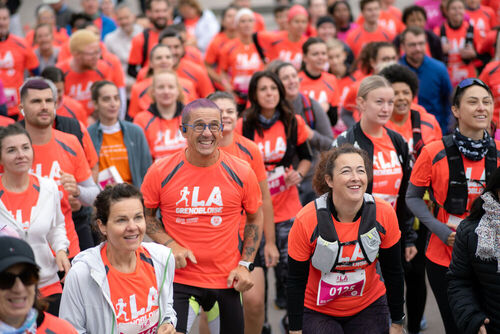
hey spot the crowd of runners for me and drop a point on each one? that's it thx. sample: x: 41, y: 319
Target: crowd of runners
x: 354, y: 158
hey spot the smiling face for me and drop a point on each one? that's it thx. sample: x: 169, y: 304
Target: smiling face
x: 161, y: 59
x: 16, y: 302
x: 165, y: 91
x: 16, y: 154
x: 108, y: 104
x: 268, y: 95
x: 290, y: 79
x: 203, y: 145
x: 456, y: 12
x: 326, y: 31
x: 403, y: 98
x: 245, y: 25
x: 229, y: 114
x: 349, y: 178
x: 336, y: 60
x: 475, y: 110
x: 316, y: 57
x: 125, y: 227
x: 376, y: 108
x: 297, y: 25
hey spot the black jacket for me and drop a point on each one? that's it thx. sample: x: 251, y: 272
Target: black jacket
x: 474, y: 284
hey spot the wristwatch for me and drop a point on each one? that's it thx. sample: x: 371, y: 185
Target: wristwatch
x: 400, y: 321
x: 249, y: 265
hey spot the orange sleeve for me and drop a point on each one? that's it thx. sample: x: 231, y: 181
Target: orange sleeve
x: 119, y: 76
x: 389, y: 220
x: 64, y: 52
x: 334, y: 99
x: 252, y: 196
x: 224, y: 59
x: 82, y: 170
x: 299, y: 245
x: 88, y: 147
x: 484, y: 76
x: 422, y: 170
x: 206, y: 86
x: 265, y: 39
x: 150, y: 188
x: 31, y: 60
x: 258, y: 166
x: 302, y: 131
x: 133, y: 107
x: 212, y: 51
x: 135, y: 55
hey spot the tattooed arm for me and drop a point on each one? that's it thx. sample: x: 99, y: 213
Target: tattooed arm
x: 239, y: 277
x: 156, y: 231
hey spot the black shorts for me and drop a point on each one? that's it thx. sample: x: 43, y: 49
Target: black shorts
x: 229, y: 301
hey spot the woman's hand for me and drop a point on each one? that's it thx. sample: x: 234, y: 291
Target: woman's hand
x: 396, y: 329
x: 166, y: 329
x: 292, y: 177
x: 62, y: 262
x: 69, y: 184
x: 410, y: 253
x: 271, y: 254
x: 482, y: 329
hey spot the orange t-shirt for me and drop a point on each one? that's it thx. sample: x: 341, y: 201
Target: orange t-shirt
x: 387, y: 170
x: 72, y: 108
x: 163, y: 135
x: 358, y: 37
x: 140, y: 99
x: 344, y: 84
x: 15, y: 58
x: 349, y: 101
x: 77, y: 84
x: 300, y: 248
x: 276, y: 45
x: 20, y: 204
x: 190, y: 25
x: 491, y: 76
x: 431, y: 170
x: 201, y: 210
x: 429, y: 128
x: 136, y: 50
x: 260, y: 23
x: 240, y: 61
x: 194, y: 55
x: 60, y: 36
x: 387, y: 20
x: 197, y: 75
x: 115, y: 65
x: 65, y: 51
x: 134, y: 295
x: 483, y: 19
x: 62, y: 153
x: 272, y: 146
x: 114, y: 153
x: 323, y: 89
x: 4, y: 120
x: 52, y: 324
x: 213, y: 54
x: 457, y: 69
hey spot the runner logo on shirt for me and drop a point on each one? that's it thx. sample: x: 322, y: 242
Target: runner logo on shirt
x: 381, y: 167
x: 78, y: 93
x: 244, y: 63
x: 474, y: 187
x: 286, y: 56
x: 8, y: 61
x: 194, y: 205
x: 166, y: 140
x: 273, y: 154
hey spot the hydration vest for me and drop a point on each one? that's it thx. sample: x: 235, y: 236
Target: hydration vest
x: 327, y: 251
x: 458, y: 194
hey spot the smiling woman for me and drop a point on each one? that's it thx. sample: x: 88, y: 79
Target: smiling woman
x: 122, y: 274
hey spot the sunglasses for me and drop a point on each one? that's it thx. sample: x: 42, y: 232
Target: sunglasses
x: 27, y: 277
x: 466, y: 83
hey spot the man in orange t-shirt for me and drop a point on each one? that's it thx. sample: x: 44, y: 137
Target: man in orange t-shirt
x: 201, y: 193
x: 369, y: 31
x: 58, y: 156
x: 15, y: 58
x: 184, y: 67
x: 157, y: 12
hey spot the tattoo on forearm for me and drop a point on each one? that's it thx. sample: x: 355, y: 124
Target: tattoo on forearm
x: 250, y: 239
x: 153, y: 224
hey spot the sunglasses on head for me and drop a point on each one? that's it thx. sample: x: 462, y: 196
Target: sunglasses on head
x: 27, y: 277
x: 466, y: 83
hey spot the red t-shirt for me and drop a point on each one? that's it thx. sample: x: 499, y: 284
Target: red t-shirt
x: 240, y: 61
x: 276, y: 45
x: 163, y: 135
x: 431, y: 170
x: 136, y: 50
x: 15, y: 58
x: 62, y: 153
x: 300, y: 248
x: 323, y: 89
x: 387, y: 20
x: 483, y: 19
x: 134, y: 295
x: 358, y: 37
x: 491, y: 76
x: 272, y: 146
x: 201, y: 210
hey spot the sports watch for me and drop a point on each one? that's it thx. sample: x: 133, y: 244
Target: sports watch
x: 249, y: 265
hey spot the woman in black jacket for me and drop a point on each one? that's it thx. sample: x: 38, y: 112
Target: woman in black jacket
x: 474, y: 275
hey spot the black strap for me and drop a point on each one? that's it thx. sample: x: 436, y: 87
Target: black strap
x: 416, y: 127
x: 260, y: 51
x: 145, y: 46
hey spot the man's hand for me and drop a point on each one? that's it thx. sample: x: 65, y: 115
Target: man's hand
x: 410, y: 253
x: 62, y: 262
x: 271, y: 254
x: 292, y: 177
x: 396, y: 329
x: 166, y: 329
x: 69, y: 184
x: 181, y: 254
x: 482, y: 329
x: 240, y: 279
x: 451, y: 237
x: 74, y: 203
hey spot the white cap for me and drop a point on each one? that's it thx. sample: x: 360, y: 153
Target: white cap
x: 240, y: 13
x: 51, y: 2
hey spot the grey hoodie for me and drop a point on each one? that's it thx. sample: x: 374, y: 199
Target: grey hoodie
x: 86, y: 301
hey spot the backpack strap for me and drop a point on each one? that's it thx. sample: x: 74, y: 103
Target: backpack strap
x: 308, y: 111
x: 145, y: 46
x: 457, y: 196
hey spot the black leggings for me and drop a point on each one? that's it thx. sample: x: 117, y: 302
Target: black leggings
x: 230, y: 308
x: 439, y: 285
x: 416, y: 290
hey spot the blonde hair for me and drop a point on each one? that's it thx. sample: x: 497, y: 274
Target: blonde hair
x: 371, y: 83
x: 81, y: 39
x: 334, y: 43
x: 180, y: 98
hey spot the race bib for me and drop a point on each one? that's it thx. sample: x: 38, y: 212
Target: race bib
x: 454, y: 220
x: 276, y: 180
x: 335, y: 285
x: 391, y: 199
x: 146, y: 324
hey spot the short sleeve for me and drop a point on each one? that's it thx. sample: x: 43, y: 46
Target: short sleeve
x: 252, y: 195
x: 302, y: 131
x: 389, y: 221
x: 88, y: 147
x: 258, y: 166
x: 82, y: 169
x: 422, y: 170
x: 135, y: 56
x: 212, y: 53
x: 151, y: 187
x: 299, y: 245
x: 31, y: 60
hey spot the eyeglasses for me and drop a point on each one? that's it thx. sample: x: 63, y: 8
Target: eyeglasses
x: 200, y: 127
x: 466, y: 83
x: 27, y: 277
